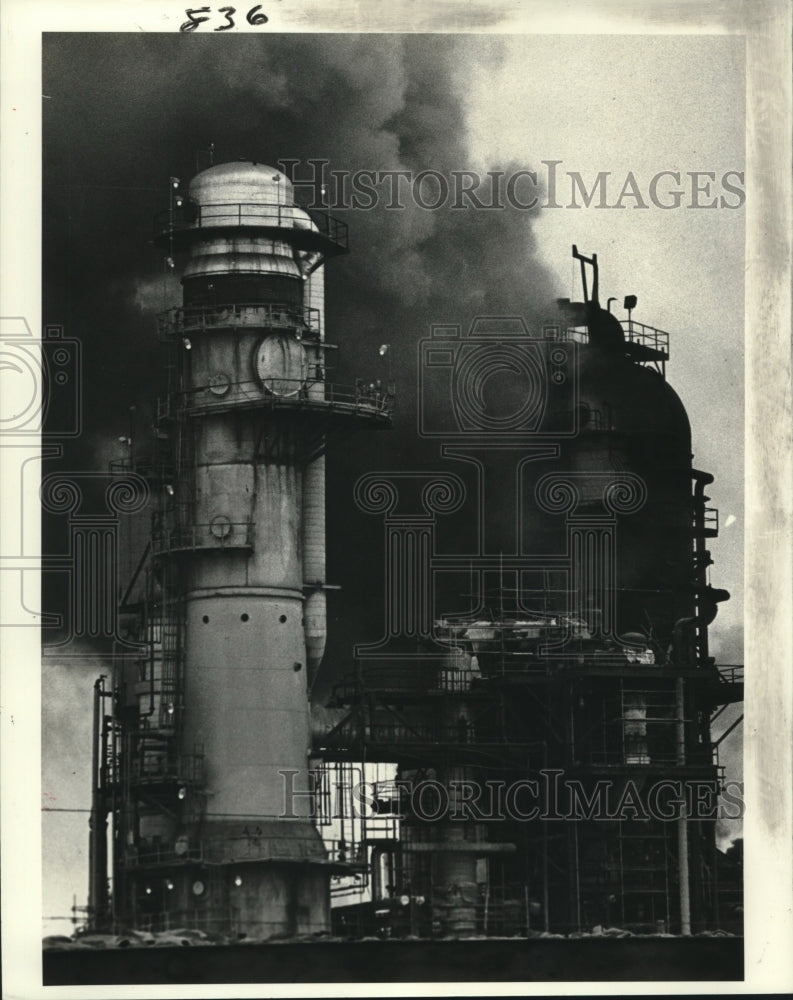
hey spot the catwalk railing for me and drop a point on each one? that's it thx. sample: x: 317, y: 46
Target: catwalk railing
x: 645, y: 336
x: 253, y: 215
x: 153, y: 768
x: 233, y: 315
x: 305, y: 393
x: 249, y: 847
x: 218, y: 534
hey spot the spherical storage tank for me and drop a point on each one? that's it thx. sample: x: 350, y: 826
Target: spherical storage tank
x: 633, y: 435
x: 634, y: 422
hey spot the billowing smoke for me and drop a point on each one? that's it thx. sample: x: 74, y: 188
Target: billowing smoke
x: 126, y: 112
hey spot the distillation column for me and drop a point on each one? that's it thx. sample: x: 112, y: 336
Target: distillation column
x: 247, y: 532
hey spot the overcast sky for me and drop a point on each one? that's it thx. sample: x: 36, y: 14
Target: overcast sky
x: 123, y: 113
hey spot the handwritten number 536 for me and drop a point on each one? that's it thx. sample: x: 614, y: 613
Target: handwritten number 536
x: 198, y: 15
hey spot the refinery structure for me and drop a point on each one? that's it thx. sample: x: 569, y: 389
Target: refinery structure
x: 535, y: 756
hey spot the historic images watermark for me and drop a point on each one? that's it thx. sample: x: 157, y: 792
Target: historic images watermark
x: 42, y: 407
x: 41, y: 404
x: 552, y: 186
x: 537, y: 409
x: 549, y: 795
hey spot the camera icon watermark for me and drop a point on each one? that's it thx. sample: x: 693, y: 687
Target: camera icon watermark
x: 497, y: 382
x: 39, y: 378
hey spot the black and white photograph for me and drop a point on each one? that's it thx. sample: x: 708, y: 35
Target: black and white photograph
x: 396, y: 468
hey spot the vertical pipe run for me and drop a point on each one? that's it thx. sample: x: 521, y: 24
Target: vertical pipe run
x: 97, y: 823
x: 545, y: 887
x: 682, y: 823
x: 315, y: 610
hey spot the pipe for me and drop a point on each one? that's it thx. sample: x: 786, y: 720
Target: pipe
x: 682, y: 645
x: 324, y: 720
x: 97, y: 824
x: 545, y: 892
x: 706, y: 606
x: 377, y: 874
x: 315, y: 608
x: 314, y: 568
x: 682, y: 823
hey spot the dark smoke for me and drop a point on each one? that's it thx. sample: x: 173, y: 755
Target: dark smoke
x: 128, y: 111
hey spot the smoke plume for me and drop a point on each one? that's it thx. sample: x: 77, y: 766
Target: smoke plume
x: 129, y: 111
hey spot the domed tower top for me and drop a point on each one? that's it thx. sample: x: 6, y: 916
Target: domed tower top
x: 246, y: 198
x: 241, y: 182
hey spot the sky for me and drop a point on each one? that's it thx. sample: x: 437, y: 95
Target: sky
x: 123, y: 113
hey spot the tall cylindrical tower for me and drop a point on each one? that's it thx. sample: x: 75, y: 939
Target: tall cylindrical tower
x: 214, y: 826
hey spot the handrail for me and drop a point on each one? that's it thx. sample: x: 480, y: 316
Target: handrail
x: 283, y: 391
x: 188, y: 769
x: 146, y: 855
x: 641, y: 755
x: 493, y: 663
x: 635, y: 333
x: 730, y: 674
x: 464, y: 732
x: 198, y: 318
x: 219, y: 534
x: 143, y: 467
x: 647, y: 336
x: 193, y: 216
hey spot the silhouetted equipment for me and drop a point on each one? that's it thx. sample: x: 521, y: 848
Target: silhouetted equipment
x: 580, y: 653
